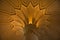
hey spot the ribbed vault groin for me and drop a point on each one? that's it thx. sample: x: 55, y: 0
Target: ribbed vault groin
x: 16, y: 14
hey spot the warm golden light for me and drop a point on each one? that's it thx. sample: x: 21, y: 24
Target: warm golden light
x: 30, y: 20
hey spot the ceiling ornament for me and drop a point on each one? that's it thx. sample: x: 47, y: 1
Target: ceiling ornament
x: 42, y: 3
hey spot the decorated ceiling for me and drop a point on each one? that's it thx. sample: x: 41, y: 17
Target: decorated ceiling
x: 16, y: 14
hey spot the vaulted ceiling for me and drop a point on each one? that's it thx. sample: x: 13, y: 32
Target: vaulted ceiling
x: 15, y: 14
